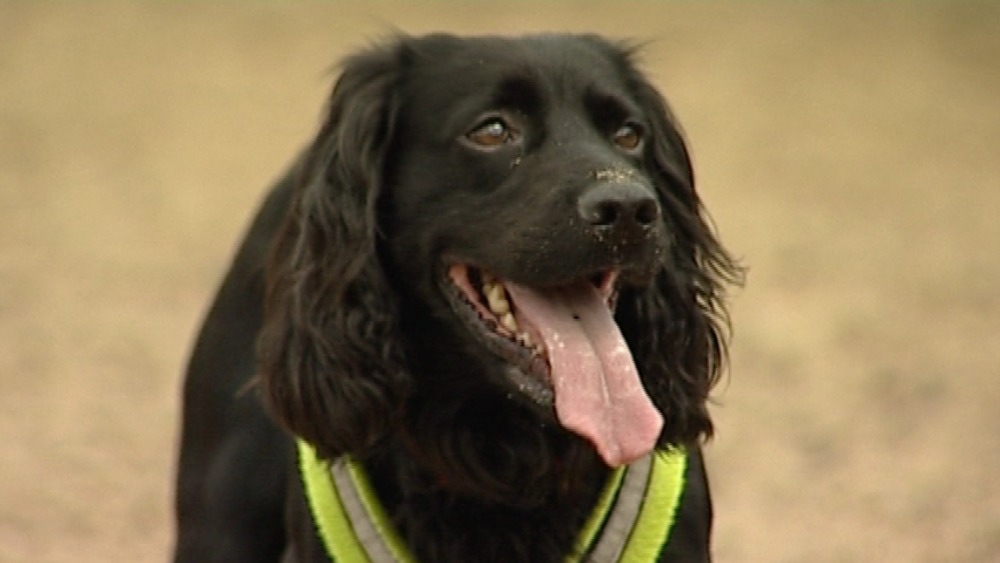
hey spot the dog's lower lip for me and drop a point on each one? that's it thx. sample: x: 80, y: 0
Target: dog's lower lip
x: 479, y: 298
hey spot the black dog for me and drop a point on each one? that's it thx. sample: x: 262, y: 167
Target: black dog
x: 487, y: 283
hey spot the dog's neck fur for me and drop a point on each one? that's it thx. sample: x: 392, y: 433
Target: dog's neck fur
x: 524, y: 501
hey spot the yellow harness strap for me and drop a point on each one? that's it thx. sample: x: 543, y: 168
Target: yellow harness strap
x: 631, y: 521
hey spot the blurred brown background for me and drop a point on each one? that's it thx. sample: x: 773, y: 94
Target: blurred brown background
x: 850, y: 153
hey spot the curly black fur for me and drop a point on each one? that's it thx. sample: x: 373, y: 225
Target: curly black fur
x: 330, y: 349
x: 359, y: 352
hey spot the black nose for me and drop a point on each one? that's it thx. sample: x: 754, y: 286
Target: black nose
x: 624, y: 209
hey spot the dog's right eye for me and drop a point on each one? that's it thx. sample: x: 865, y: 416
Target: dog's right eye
x: 492, y: 133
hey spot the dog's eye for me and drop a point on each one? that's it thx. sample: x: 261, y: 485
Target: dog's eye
x: 628, y: 137
x: 492, y: 133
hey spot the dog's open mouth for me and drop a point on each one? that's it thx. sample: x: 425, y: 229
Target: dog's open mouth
x: 490, y: 297
x: 565, y: 350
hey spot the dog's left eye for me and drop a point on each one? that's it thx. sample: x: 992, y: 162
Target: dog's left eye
x: 628, y: 137
x: 492, y: 133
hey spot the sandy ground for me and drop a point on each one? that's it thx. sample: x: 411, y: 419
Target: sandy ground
x: 849, y: 153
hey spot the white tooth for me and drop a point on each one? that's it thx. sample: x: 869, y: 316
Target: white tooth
x: 497, y: 299
x: 525, y: 339
x: 508, y: 322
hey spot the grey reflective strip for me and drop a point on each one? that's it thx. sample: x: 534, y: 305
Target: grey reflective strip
x: 377, y: 550
x: 624, y: 515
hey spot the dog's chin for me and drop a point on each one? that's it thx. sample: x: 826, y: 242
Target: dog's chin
x: 480, y: 300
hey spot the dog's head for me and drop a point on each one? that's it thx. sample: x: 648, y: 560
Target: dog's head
x: 490, y: 225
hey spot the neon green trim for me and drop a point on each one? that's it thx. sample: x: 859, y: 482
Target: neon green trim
x: 377, y: 513
x: 597, y: 518
x: 656, y: 518
x: 649, y: 534
x: 332, y: 521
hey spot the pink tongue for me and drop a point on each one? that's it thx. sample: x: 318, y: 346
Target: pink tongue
x: 598, y: 392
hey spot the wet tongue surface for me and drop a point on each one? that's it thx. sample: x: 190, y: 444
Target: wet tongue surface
x: 598, y: 392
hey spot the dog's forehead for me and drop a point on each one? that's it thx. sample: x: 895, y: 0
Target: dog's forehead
x: 555, y: 64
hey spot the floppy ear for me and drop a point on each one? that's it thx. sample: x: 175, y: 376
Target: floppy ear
x: 332, y: 371
x: 677, y: 327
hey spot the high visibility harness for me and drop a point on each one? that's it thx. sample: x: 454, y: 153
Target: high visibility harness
x: 631, y: 521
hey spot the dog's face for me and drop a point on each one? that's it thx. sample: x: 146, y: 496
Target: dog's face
x: 519, y: 200
x: 490, y: 221
x: 531, y: 166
